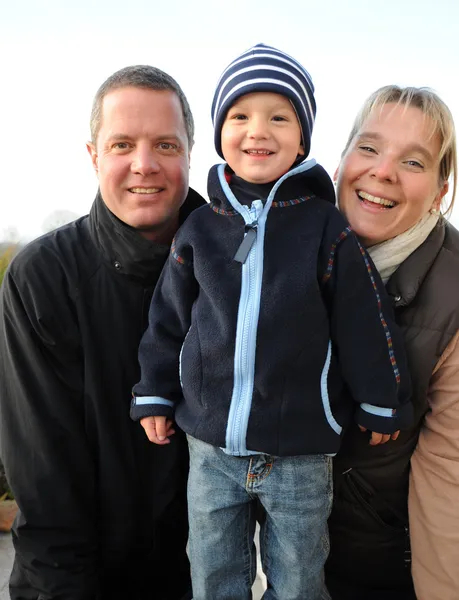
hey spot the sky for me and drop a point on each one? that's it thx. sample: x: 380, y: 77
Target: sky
x: 55, y: 54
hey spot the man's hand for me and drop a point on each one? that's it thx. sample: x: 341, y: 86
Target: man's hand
x: 380, y: 438
x: 158, y: 429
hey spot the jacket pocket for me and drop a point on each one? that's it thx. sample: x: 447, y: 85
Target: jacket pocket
x: 366, y: 531
x: 329, y: 372
x: 373, y: 503
x: 190, y: 366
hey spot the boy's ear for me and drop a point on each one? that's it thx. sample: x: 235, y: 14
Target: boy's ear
x: 301, y: 150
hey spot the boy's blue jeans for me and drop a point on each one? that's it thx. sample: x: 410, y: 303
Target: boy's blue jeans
x: 296, y: 493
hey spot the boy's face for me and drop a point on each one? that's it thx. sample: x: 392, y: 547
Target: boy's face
x: 261, y: 137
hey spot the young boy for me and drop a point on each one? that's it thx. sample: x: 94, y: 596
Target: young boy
x: 269, y: 321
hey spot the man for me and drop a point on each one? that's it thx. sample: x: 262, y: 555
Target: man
x: 102, y: 510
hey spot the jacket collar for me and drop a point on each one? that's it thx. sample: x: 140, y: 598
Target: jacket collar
x: 128, y: 252
x: 306, y: 179
x: 408, y: 278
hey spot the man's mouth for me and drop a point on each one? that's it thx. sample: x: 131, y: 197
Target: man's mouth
x: 141, y: 190
x: 376, y: 200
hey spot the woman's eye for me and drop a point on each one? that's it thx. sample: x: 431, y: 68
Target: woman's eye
x: 415, y: 163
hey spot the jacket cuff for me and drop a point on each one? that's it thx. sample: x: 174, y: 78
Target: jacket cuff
x: 384, y: 420
x: 151, y: 406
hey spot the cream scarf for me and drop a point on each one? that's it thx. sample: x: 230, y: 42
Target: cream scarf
x: 389, y: 255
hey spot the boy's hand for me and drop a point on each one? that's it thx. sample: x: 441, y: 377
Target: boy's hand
x: 158, y: 429
x: 380, y: 438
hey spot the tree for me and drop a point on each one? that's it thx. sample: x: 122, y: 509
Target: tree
x: 58, y: 218
x: 5, y: 258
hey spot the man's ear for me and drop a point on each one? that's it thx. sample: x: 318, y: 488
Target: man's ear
x: 90, y: 147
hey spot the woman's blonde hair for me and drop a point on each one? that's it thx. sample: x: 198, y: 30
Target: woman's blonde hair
x: 432, y: 107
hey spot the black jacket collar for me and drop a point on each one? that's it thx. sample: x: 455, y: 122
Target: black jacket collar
x: 408, y: 278
x: 128, y: 252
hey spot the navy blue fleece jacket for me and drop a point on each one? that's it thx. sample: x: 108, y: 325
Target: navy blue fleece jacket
x: 275, y: 350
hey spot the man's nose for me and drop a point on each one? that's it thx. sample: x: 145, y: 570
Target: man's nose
x: 145, y: 162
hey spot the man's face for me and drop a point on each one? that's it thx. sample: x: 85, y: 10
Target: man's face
x: 142, y: 159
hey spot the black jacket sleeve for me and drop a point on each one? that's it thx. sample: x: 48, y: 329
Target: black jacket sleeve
x: 365, y: 337
x: 169, y: 321
x: 42, y: 436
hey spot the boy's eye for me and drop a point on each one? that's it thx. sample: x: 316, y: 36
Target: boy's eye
x: 239, y: 117
x: 279, y: 118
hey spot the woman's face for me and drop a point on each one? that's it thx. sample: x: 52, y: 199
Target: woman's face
x: 389, y: 177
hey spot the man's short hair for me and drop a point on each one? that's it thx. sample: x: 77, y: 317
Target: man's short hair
x: 140, y: 76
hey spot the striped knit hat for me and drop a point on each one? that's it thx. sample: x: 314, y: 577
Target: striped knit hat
x: 265, y: 69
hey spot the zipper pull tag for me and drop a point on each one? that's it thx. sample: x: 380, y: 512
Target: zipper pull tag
x: 247, y: 243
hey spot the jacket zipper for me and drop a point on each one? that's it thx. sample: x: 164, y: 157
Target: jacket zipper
x: 244, y: 361
x: 250, y: 254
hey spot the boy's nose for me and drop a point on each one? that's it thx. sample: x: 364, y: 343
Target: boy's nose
x: 258, y: 129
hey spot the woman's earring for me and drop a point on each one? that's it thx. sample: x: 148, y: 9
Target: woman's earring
x: 434, y: 211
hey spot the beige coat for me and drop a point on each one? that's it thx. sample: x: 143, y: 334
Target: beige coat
x: 434, y: 487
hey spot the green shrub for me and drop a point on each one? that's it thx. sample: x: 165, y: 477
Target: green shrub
x: 4, y: 262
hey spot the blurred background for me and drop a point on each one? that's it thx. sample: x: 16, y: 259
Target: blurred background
x: 54, y: 55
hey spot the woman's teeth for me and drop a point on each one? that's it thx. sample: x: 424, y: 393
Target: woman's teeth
x: 375, y: 199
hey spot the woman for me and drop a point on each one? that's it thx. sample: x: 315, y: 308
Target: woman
x: 395, y: 171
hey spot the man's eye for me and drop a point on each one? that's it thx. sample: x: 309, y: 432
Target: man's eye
x: 167, y: 146
x: 367, y: 148
x: 120, y: 145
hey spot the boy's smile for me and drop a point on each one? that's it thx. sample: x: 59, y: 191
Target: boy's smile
x: 261, y: 137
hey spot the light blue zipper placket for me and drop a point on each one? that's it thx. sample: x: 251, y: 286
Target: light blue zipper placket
x: 248, y: 314
x: 244, y: 365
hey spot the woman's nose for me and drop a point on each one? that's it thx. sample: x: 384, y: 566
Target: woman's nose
x: 384, y: 169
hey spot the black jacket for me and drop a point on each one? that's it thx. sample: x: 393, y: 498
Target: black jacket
x: 369, y: 521
x: 255, y: 345
x: 102, y: 510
